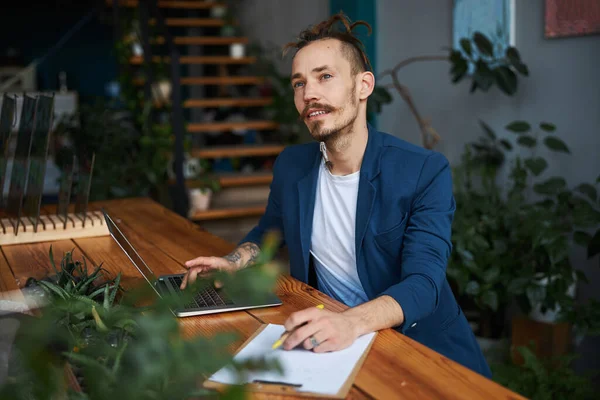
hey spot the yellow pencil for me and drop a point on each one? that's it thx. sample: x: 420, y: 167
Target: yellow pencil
x: 286, y: 334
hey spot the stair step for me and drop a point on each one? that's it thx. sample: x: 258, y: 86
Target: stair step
x: 225, y: 213
x: 233, y: 179
x: 238, y: 151
x: 171, y: 4
x: 229, y: 102
x: 202, y: 40
x: 214, y: 80
x: 191, y: 22
x: 230, y: 126
x: 227, y: 180
x: 138, y: 60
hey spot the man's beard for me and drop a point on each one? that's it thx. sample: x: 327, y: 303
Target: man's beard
x: 332, y: 134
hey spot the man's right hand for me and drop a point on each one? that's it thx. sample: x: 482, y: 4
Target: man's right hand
x: 241, y: 257
x: 201, y: 266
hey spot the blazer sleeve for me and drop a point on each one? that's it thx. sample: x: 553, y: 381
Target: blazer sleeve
x: 427, y: 244
x: 271, y: 220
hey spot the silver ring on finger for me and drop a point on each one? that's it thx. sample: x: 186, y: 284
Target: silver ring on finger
x: 314, y: 342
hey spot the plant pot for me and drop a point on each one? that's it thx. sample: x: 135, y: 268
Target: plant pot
x: 199, y: 200
x: 161, y: 91
x: 237, y: 50
x: 550, y: 316
x: 549, y: 339
x: 218, y: 11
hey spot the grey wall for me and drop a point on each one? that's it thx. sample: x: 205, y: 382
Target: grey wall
x: 279, y: 21
x: 562, y: 88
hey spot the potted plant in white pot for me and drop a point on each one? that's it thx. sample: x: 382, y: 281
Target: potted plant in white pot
x: 205, y: 185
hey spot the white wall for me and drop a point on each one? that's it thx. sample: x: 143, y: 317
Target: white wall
x: 563, y: 88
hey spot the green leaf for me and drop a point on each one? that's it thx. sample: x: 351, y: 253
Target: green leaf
x: 487, y: 130
x: 527, y: 141
x: 465, y: 44
x: 507, y: 145
x: 458, y: 70
x: 490, y: 298
x: 513, y: 55
x: 536, y: 165
x: 517, y: 286
x: 556, y: 144
x: 483, y: 75
x: 548, y: 127
x: 584, y: 214
x: 106, y: 297
x: 490, y: 275
x: 52, y: 262
x: 53, y: 288
x: 550, y: 186
x: 582, y: 238
x: 506, y: 80
x: 588, y: 190
x: 594, y: 245
x: 483, y: 44
x: 519, y: 126
x: 598, y: 179
x: 116, y: 289
x: 472, y: 288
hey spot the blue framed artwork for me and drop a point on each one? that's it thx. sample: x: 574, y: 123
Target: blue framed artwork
x: 493, y: 18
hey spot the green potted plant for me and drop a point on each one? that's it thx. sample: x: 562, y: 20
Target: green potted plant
x: 205, y: 186
x: 480, y: 269
x: 512, y: 245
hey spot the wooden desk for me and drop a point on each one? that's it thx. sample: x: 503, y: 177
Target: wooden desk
x: 396, y: 368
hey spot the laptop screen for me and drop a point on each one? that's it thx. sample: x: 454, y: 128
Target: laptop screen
x: 133, y: 255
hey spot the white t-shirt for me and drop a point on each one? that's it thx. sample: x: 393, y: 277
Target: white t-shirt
x: 333, y: 234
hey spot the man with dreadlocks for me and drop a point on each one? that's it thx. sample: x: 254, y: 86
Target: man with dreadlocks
x: 366, y: 216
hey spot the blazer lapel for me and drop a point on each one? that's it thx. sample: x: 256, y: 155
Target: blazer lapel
x: 369, y: 170
x: 307, y: 189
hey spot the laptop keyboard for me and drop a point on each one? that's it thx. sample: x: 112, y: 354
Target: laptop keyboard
x: 207, y: 298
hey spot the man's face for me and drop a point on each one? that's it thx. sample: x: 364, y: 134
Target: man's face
x: 324, y: 89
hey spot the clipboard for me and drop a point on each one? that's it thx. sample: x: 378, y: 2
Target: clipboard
x: 289, y: 389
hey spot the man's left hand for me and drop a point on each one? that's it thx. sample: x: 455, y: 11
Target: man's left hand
x: 324, y: 330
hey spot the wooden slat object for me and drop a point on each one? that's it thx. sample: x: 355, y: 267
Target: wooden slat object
x: 229, y: 102
x: 225, y: 213
x: 396, y: 366
x: 191, y: 5
x: 203, y: 40
x: 51, y: 227
x: 230, y: 126
x: 214, y: 80
x: 191, y: 22
x: 138, y: 60
x: 237, y: 151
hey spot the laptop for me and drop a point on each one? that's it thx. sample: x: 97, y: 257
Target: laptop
x: 209, y: 301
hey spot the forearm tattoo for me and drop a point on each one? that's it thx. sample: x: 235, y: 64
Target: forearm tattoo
x: 236, y: 256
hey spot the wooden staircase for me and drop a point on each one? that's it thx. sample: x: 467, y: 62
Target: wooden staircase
x: 221, y: 81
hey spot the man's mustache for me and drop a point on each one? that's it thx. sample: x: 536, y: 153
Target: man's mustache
x: 318, y: 106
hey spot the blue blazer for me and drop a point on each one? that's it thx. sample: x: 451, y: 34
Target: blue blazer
x: 404, y: 215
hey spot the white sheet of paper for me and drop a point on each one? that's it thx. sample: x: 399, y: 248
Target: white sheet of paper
x: 323, y: 373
